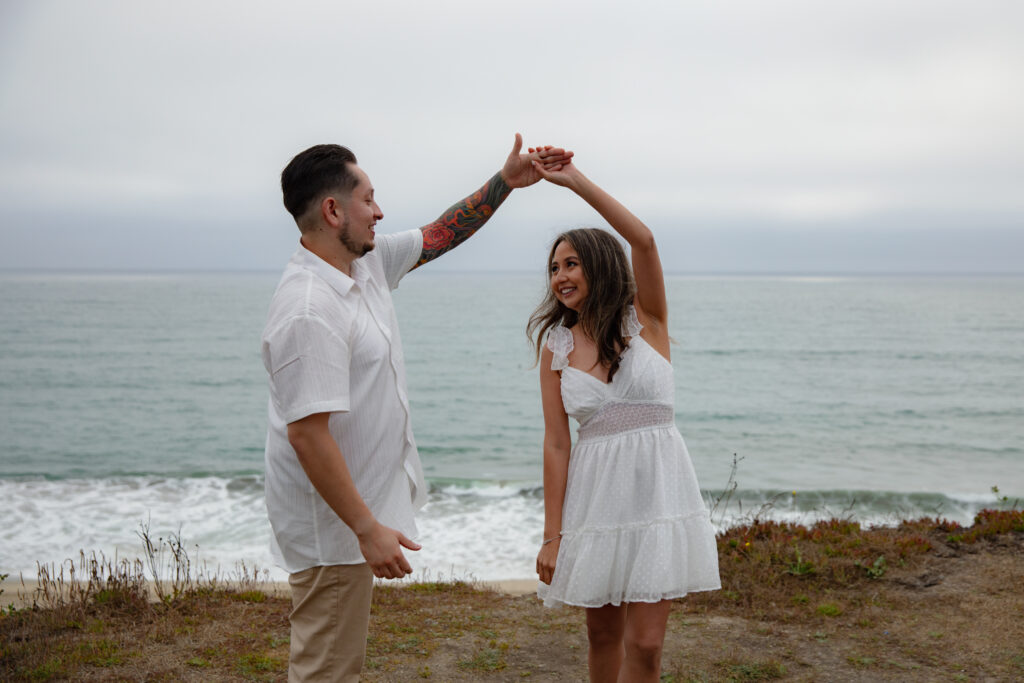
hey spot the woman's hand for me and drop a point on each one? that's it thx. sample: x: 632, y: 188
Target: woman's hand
x: 546, y: 560
x: 519, y: 169
x: 566, y: 175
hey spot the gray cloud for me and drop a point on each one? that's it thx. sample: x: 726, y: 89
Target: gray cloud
x: 151, y: 135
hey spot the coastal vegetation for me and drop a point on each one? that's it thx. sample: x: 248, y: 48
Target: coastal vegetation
x: 926, y: 599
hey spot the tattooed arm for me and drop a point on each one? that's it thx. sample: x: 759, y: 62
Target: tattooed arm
x: 461, y: 220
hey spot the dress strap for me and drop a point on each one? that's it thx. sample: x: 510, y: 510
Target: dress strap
x: 630, y: 323
x: 560, y: 343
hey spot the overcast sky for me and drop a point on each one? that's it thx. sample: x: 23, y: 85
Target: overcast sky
x: 751, y: 135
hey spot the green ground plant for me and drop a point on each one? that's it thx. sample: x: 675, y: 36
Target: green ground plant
x: 831, y: 585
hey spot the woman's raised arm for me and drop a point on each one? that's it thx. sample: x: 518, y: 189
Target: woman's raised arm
x: 650, y: 279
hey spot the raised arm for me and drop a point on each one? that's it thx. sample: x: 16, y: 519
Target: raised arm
x: 464, y: 218
x: 650, y: 279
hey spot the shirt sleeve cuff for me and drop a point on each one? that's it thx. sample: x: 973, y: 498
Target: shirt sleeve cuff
x: 400, y: 251
x: 296, y: 414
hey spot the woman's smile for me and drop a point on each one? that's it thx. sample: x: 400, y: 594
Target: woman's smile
x: 567, y: 279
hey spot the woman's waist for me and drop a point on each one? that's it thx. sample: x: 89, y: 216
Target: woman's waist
x: 617, y: 417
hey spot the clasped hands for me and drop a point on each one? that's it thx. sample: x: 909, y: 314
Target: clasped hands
x: 521, y: 171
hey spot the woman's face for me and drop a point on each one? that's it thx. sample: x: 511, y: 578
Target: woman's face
x: 567, y: 280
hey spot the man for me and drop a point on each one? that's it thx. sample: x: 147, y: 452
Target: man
x: 343, y: 477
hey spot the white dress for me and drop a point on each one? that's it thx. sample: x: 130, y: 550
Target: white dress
x: 634, y: 524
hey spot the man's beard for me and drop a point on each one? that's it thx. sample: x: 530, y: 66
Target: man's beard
x: 350, y: 244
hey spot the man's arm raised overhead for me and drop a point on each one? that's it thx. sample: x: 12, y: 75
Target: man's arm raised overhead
x: 464, y: 218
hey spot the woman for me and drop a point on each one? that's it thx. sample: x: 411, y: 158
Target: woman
x: 625, y: 527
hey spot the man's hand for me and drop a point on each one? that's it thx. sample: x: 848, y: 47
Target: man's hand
x: 519, y: 171
x: 381, y: 547
x: 320, y: 457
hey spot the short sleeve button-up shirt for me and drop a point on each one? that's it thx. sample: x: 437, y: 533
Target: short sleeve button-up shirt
x: 331, y: 345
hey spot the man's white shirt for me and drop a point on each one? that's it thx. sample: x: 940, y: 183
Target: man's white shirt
x: 331, y: 345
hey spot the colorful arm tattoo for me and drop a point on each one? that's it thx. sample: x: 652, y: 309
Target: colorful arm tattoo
x: 460, y: 221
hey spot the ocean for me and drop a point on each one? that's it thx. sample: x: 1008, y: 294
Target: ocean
x: 141, y: 398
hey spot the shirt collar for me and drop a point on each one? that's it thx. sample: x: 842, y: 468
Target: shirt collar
x: 339, y: 282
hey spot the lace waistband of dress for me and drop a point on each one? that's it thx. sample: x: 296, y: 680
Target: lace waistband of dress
x: 615, y: 418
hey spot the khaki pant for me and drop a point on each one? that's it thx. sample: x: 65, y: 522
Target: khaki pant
x: 329, y: 618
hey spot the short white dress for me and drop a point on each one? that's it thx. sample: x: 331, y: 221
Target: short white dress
x: 634, y: 524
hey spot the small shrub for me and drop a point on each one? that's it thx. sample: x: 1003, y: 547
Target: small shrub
x: 799, y: 567
x: 52, y: 668
x: 102, y: 653
x: 989, y: 523
x: 756, y: 671
x: 861, y: 661
x: 250, y: 596
x: 432, y: 587
x: 829, y: 609
x: 253, y: 663
x: 488, y: 659
x: 912, y: 545
x: 876, y: 570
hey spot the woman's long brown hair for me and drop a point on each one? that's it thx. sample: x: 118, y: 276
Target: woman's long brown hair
x: 611, y: 292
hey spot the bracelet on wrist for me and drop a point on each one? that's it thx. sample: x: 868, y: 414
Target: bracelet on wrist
x: 549, y: 540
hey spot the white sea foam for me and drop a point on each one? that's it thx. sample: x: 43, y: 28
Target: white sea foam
x: 486, y: 531
x: 222, y: 521
x: 489, y: 532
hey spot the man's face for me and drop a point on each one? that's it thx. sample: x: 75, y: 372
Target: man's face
x: 361, y: 215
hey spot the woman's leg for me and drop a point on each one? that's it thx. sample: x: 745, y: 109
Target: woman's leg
x: 644, y: 638
x: 605, y: 628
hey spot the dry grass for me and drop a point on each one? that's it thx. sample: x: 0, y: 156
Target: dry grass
x: 927, y: 600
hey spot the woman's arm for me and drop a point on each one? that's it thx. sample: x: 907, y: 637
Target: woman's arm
x: 651, y: 302
x: 557, y: 445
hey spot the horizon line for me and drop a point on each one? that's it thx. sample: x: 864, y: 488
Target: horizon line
x: 524, y: 271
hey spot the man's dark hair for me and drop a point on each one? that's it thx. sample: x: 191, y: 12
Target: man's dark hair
x: 315, y: 172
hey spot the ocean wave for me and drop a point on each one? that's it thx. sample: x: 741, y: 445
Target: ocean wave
x: 462, y: 488
x: 222, y: 520
x: 870, y: 508
x: 470, y: 529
